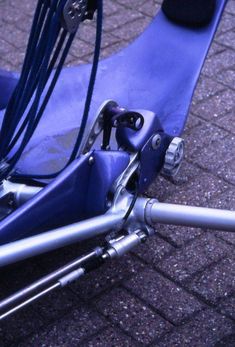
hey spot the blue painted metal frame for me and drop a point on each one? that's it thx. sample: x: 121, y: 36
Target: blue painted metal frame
x: 158, y: 72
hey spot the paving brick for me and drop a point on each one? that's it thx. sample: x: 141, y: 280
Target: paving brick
x: 192, y: 122
x: 149, y: 7
x: 218, y: 62
x: 199, y: 192
x: 133, y: 316
x: 112, y: 49
x: 16, y: 60
x: 205, y: 330
x: 5, y: 48
x: 18, y: 40
x: 177, y: 235
x: 111, y: 7
x: 25, y: 24
x: 195, y: 257
x: 226, y: 24
x: 154, y: 249
x: 106, y: 277
x: 225, y: 201
x: 187, y: 173
x: 110, y: 337
x: 56, y: 304
x: 19, y: 326
x: 227, y: 77
x: 171, y: 301
x: 119, y: 19
x: 6, y: 65
x: 163, y: 189
x: 228, y: 341
x: 200, y: 137
x: 80, y: 49
x: 217, y: 282
x: 24, y: 272
x: 227, y: 39
x: 206, y: 88
x: 216, y: 106
x: 139, y: 3
x: 28, y: 6
x: 160, y: 189
x: 11, y: 14
x: 135, y: 29
x: 226, y: 122
x: 226, y: 236
x: 227, y: 306
x: 71, y: 330
x: 230, y: 7
x: 217, y: 154
x: 215, y: 48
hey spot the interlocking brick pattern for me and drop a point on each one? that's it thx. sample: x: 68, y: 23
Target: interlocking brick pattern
x: 179, y: 288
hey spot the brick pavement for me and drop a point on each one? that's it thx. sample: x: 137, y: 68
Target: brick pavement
x: 179, y: 288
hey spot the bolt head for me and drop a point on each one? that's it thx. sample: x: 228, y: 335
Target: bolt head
x: 91, y: 160
x: 156, y: 141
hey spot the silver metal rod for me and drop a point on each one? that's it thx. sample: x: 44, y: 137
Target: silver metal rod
x: 51, y: 240
x: 55, y: 275
x: 199, y: 217
x: 30, y: 300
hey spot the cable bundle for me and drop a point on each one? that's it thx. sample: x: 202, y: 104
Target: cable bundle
x: 48, y: 47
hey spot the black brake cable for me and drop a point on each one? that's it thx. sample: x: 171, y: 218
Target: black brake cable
x: 16, y: 97
x: 35, y: 54
x: 87, y: 102
x: 29, y: 124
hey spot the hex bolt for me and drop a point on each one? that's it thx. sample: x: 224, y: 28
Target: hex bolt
x: 91, y: 160
x: 156, y: 141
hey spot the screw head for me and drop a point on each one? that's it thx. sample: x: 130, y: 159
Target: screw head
x: 91, y: 160
x: 156, y: 141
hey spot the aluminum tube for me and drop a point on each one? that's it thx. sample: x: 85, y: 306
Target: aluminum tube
x: 55, y: 275
x: 29, y: 301
x: 190, y: 216
x: 51, y: 240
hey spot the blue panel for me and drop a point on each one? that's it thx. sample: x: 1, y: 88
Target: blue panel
x: 60, y: 202
x: 157, y: 72
x: 107, y: 167
x: 79, y: 192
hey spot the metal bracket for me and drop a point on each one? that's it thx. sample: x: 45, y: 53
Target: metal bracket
x: 73, y: 14
x: 96, y: 128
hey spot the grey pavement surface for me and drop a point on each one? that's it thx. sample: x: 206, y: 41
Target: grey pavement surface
x: 179, y: 288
